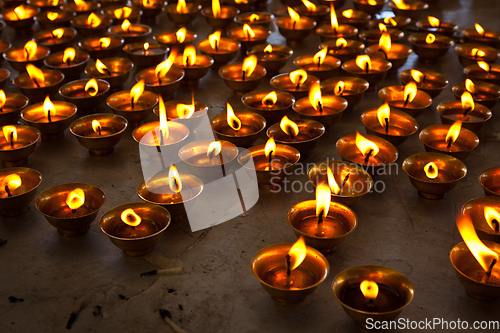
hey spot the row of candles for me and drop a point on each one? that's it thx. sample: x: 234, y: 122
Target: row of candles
x: 322, y: 223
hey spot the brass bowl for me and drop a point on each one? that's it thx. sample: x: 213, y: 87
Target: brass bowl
x: 231, y: 73
x: 394, y: 96
x: 312, y: 128
x: 71, y: 92
x: 53, y: 80
x: 405, y: 124
x: 360, y: 181
x: 148, y: 100
x: 261, y: 35
x: 464, y: 52
x: 463, y: 261
x: 19, y: 203
x: 200, y: 112
x: 99, y: 145
x: 476, y: 73
x: 227, y: 15
x: 359, y: 18
x: 283, y: 82
x: 350, y: 51
x: 379, y: 274
x: 398, y: 55
x: 401, y: 22
x: 14, y: 55
x: 368, y: 8
x: 109, y: 11
x: 306, y: 62
x: 50, y: 130
x: 346, y: 31
x: 489, y: 179
x: 449, y: 111
x: 272, y: 66
x: 430, y: 52
x: 253, y: 101
x: 487, y: 94
x: 302, y: 29
x: 55, y: 60
x: 21, y: 26
x: 320, y: 14
x: 474, y: 209
x: 168, y: 87
x: 42, y: 38
x: 247, y: 118
x: 228, y: 49
x: 146, y: 136
x: 489, y: 37
x: 372, y: 36
x: 11, y: 110
x: 52, y: 200
x: 416, y: 9
x: 354, y: 89
x: 91, y: 46
x: 265, y: 18
x: 85, y: 30
x: 414, y: 165
x: 135, y: 247
x: 142, y: 32
x: 118, y: 65
x: 435, y: 84
x: 169, y: 39
x: 437, y: 133
x: 63, y: 20
x: 333, y: 108
x: 154, y: 57
x: 444, y: 28
x: 380, y: 68
x: 182, y: 19
x: 274, y: 256
x: 305, y: 209
x: 29, y: 136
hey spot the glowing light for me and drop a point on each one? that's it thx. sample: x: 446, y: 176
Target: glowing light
x: 69, y: 55
x: 174, y: 180
x: 249, y: 33
x: 189, y: 56
x: 36, y: 75
x: 75, y: 199
x: 364, y: 62
x: 320, y: 56
x: 433, y: 21
x: 130, y: 217
x: 289, y: 127
x: 297, y: 253
x: 366, y: 146
x: 453, y: 132
x: 233, y: 121
x: 214, y: 40
x: 270, y: 99
x: 216, y: 8
x: 249, y: 64
x: 315, y: 97
x: 384, y: 115
x: 93, y: 20
x: 430, y: 38
x: 181, y: 7
x: 431, y: 170
x: 30, y: 49
x: 180, y: 35
x: 323, y: 198
x: 369, y: 289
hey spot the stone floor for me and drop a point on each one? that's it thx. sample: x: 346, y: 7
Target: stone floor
x: 217, y: 291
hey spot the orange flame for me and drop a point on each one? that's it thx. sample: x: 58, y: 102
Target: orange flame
x: 58, y: 33
x: 162, y: 112
x: 382, y: 27
x: 469, y: 86
x: 372, y: 2
x: 341, y: 42
x: 174, y: 180
x: 289, y: 127
x: 332, y: 183
x: 163, y: 67
x: 364, y: 62
x: 416, y: 75
x: 93, y: 20
x: 293, y: 15
x: 20, y: 12
x: 69, y: 54
x: 130, y: 217
x: 391, y: 21
x: 365, y: 146
x: 348, y: 13
x: 249, y: 33
x: 410, y: 92
x: 433, y: 21
x: 454, y: 132
x: 101, y: 67
x: 467, y: 101
x: 369, y: 289
x: 81, y: 5
x: 249, y: 64
x: 189, y: 56
x: 35, y: 74
x: 8, y: 131
x: 298, y: 76
x: 400, y: 4
x: 491, y: 215
x: 334, y: 22
x: 383, y: 114
x: 216, y: 8
x: 475, y: 52
x: 297, y: 253
x: 146, y: 46
x: 385, y: 42
x: 104, y: 41
x: 484, y: 66
x: 339, y: 88
x: 52, y: 16
x: 96, y: 126
x: 233, y: 121
x: 122, y: 12
x: 309, y: 5
x: 3, y: 98
x: 430, y: 38
x: 11, y: 182
x: 147, y: 3
x: 484, y: 255
x: 126, y: 25
x: 323, y: 198
x: 431, y: 170
x: 91, y: 87
x: 48, y: 106
x: 320, y: 56
x: 136, y: 91
x: 181, y: 7
x: 253, y: 17
x: 315, y: 97
x: 180, y: 35
x: 270, y: 148
x: 214, y: 40
x: 479, y: 28
x: 75, y: 199
x: 214, y: 148
x: 270, y: 99
x: 30, y: 49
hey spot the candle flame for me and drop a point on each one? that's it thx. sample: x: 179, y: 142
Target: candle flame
x: 240, y: 1
x: 91, y: 87
x: 233, y: 121
x: 125, y: 25
x: 96, y: 126
x: 298, y: 76
x: 479, y: 28
x: 339, y: 88
x: 214, y: 40
x: 174, y: 180
x: 433, y: 21
x: 430, y: 38
x: 365, y: 146
x: 382, y: 27
x: 137, y: 90
x: 189, y: 56
x: 323, y: 198
x: 348, y: 13
x: 35, y: 74
x: 180, y: 35
x: 147, y: 3
x: 475, y: 52
x: 48, y: 106
x: 289, y: 127
x: 332, y: 183
x: 309, y: 5
x: 101, y: 67
x: 467, y: 101
x: 385, y: 42
x: 81, y: 5
x: 270, y: 147
x: 369, y: 289
x: 130, y: 217
x: 104, y: 41
x: 163, y: 67
x: 122, y: 12
x: 469, y: 86
x: 410, y: 91
x: 315, y: 96
x: 334, y: 22
x: 364, y: 62
x: 391, y: 21
x: 75, y: 199
x: 69, y: 54
x: 181, y: 7
x: 216, y: 8
x: 21, y: 12
x: 454, y: 131
x: 93, y: 20
x: 146, y: 46
x: 270, y: 99
x: 484, y: 65
x: 341, y: 42
x: 372, y: 2
x: 249, y: 64
x: 214, y: 148
x: 297, y: 253
x: 249, y: 33
x: 162, y: 113
x: 253, y: 17
x: 30, y: 49
x: 484, y: 255
x: 58, y: 33
x: 400, y: 4
x: 320, y: 56
x: 293, y: 15
x: 383, y: 113
x: 416, y: 75
x: 52, y: 16
x: 11, y: 181
x: 3, y: 98
x: 8, y: 131
x: 491, y: 215
x: 431, y: 170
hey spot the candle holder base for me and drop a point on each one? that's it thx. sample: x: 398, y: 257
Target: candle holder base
x: 20, y: 162
x: 73, y: 233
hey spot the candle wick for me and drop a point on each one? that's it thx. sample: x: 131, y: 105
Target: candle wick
x: 320, y: 106
x: 493, y: 263
x: 449, y: 143
x: 187, y: 61
x: 107, y: 71
x: 288, y: 271
x: 467, y: 111
x: 370, y: 305
x: 27, y: 54
x: 49, y: 117
x: 319, y: 63
x: 367, y: 69
x: 297, y: 87
x: 36, y: 83
x: 382, y: 50
x: 496, y: 224
x: 8, y: 191
x: 161, y: 138
x: 407, y: 99
x: 99, y: 130
x: 100, y: 45
x: 386, y: 125
x: 68, y: 62
x: 423, y: 79
x: 367, y: 157
x: 243, y: 76
x: 12, y: 140
x: 293, y: 25
x: 319, y: 227
x: 271, y: 159
x: 346, y: 178
x: 132, y: 103
x: 475, y: 54
x: 53, y: 36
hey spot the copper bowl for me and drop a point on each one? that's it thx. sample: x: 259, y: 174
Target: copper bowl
x: 405, y: 124
x: 168, y: 86
x: 333, y: 109
x: 416, y: 9
x: 437, y: 133
x: 53, y: 80
x: 16, y: 157
x: 248, y: 118
x: 475, y: 210
x: 435, y: 84
x: 200, y: 111
x: 394, y: 96
x: 490, y: 181
x: 90, y: 45
x: 253, y: 99
x: 85, y: 104
x: 231, y: 75
x: 438, y: 49
x: 19, y: 203
x: 486, y: 94
x: 464, y: 52
x: 451, y: 111
x: 121, y: 66
x: 76, y: 67
x: 11, y: 110
x: 353, y: 91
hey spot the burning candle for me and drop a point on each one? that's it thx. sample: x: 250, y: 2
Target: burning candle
x: 325, y: 109
x: 242, y: 128
x: 150, y: 9
x: 175, y: 39
x: 271, y: 57
x: 352, y: 89
x: 54, y: 18
x: 472, y: 115
x: 334, y: 30
x: 222, y: 50
x: 484, y: 72
x: 290, y: 272
x: 70, y: 62
x: 71, y: 208
x: 484, y: 214
x: 321, y: 65
x: 399, y: 22
x: 182, y: 13
x: 372, y: 36
x: 131, y: 32
x: 483, y: 93
x: 30, y: 53
x: 356, y: 18
x: 392, y: 125
x: 302, y: 134
x: 81, y: 6
x: 372, y: 70
x: 435, y: 25
x: 296, y: 82
x: 476, y: 262
x: 255, y: 18
x: 270, y: 104
x: 135, y: 228
x: 295, y: 27
x: 44, y: 5
x: 243, y: 76
x: 219, y: 17
x: 18, y: 187
x: 406, y: 98
x: 317, y: 12
x: 469, y: 53
x: 249, y: 36
x: 56, y: 39
x: 36, y: 83
x: 114, y: 70
x: 395, y: 53
x: 343, y: 49
x: 489, y: 180
x: 118, y: 14
x: 20, y: 18
x: 452, y: 140
x: 11, y: 105
x: 412, y: 9
x: 430, y: 47
x: 195, y: 66
x: 91, y: 24
x: 369, y: 6
x: 481, y: 35
x: 17, y: 143
x: 189, y: 113
x: 87, y: 95
x: 101, y: 47
x: 428, y: 81
x: 145, y: 54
